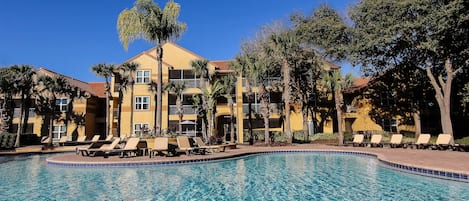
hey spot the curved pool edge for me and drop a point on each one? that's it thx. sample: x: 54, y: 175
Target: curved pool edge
x: 408, y: 168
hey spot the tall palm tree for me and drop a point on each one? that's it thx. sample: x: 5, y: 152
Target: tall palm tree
x: 229, y: 85
x: 243, y: 63
x: 23, y: 86
x: 200, y: 68
x: 126, y: 72
x: 211, y: 93
x: 7, y: 78
x: 178, y: 89
x: 335, y: 83
x: 283, y: 46
x: 148, y: 21
x: 106, y: 71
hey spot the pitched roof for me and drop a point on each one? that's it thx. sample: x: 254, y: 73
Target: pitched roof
x: 358, y: 83
x: 98, y: 88
x: 94, y: 88
x: 223, y: 65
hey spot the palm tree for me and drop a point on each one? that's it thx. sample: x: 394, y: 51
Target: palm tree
x: 49, y: 89
x: 178, y: 89
x: 200, y: 68
x: 334, y: 83
x: 148, y: 21
x: 23, y: 85
x: 211, y: 93
x: 105, y: 71
x: 126, y: 72
x: 229, y: 85
x: 243, y: 63
x: 6, y: 82
x: 72, y: 92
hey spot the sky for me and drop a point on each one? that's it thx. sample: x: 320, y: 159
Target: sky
x: 70, y: 36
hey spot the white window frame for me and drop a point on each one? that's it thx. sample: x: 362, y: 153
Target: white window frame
x: 140, y: 103
x: 59, y: 131
x: 63, y: 107
x: 138, y: 128
x: 141, y: 78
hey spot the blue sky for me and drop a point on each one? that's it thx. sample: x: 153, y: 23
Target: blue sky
x: 70, y: 36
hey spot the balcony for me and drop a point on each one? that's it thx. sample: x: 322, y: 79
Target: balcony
x: 115, y: 113
x: 190, y: 83
x: 186, y: 109
x: 17, y: 112
x: 350, y: 112
x: 256, y: 108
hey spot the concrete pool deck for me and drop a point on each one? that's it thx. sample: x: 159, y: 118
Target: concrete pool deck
x: 448, y: 162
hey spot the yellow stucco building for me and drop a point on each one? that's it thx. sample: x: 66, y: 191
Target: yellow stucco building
x: 86, y: 114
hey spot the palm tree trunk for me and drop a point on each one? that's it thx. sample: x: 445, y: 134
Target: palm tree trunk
x: 249, y: 93
x: 180, y: 113
x: 232, y: 130
x: 18, y: 131
x: 26, y: 114
x: 159, y: 92
x: 265, y: 113
x: 131, y: 106
x: 119, y: 118
x: 339, y: 117
x: 287, y: 96
x: 107, y: 107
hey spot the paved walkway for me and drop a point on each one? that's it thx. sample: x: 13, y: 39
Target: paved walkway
x: 449, y: 161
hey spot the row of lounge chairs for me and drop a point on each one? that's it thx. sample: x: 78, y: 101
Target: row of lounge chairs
x: 443, y: 142
x: 161, y: 146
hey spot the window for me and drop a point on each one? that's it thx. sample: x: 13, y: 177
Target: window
x: 141, y: 128
x: 142, y: 102
x: 59, y: 131
x: 186, y: 76
x: 61, y: 104
x: 142, y: 77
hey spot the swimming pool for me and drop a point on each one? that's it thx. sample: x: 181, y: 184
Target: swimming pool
x: 278, y: 176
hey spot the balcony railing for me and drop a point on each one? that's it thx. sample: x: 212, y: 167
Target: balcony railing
x: 268, y: 82
x: 190, y: 83
x: 17, y: 112
x: 186, y: 109
x: 351, y: 109
x: 115, y: 113
x: 257, y: 108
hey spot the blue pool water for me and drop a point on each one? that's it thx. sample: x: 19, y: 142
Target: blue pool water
x: 279, y: 176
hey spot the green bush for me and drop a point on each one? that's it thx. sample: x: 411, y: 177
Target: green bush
x: 464, y: 140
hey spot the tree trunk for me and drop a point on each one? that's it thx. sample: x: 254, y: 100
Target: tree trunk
x: 286, y: 97
x: 108, y: 94
x: 131, y: 106
x: 51, y: 121
x: 159, y: 92
x: 232, y: 130
x: 418, y: 125
x: 180, y: 113
x: 443, y: 95
x: 18, y: 130
x: 26, y: 114
x: 339, y: 117
x: 119, y: 118
x: 265, y: 113
x: 249, y: 94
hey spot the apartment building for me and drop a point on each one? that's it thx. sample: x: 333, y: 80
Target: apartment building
x: 86, y: 114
